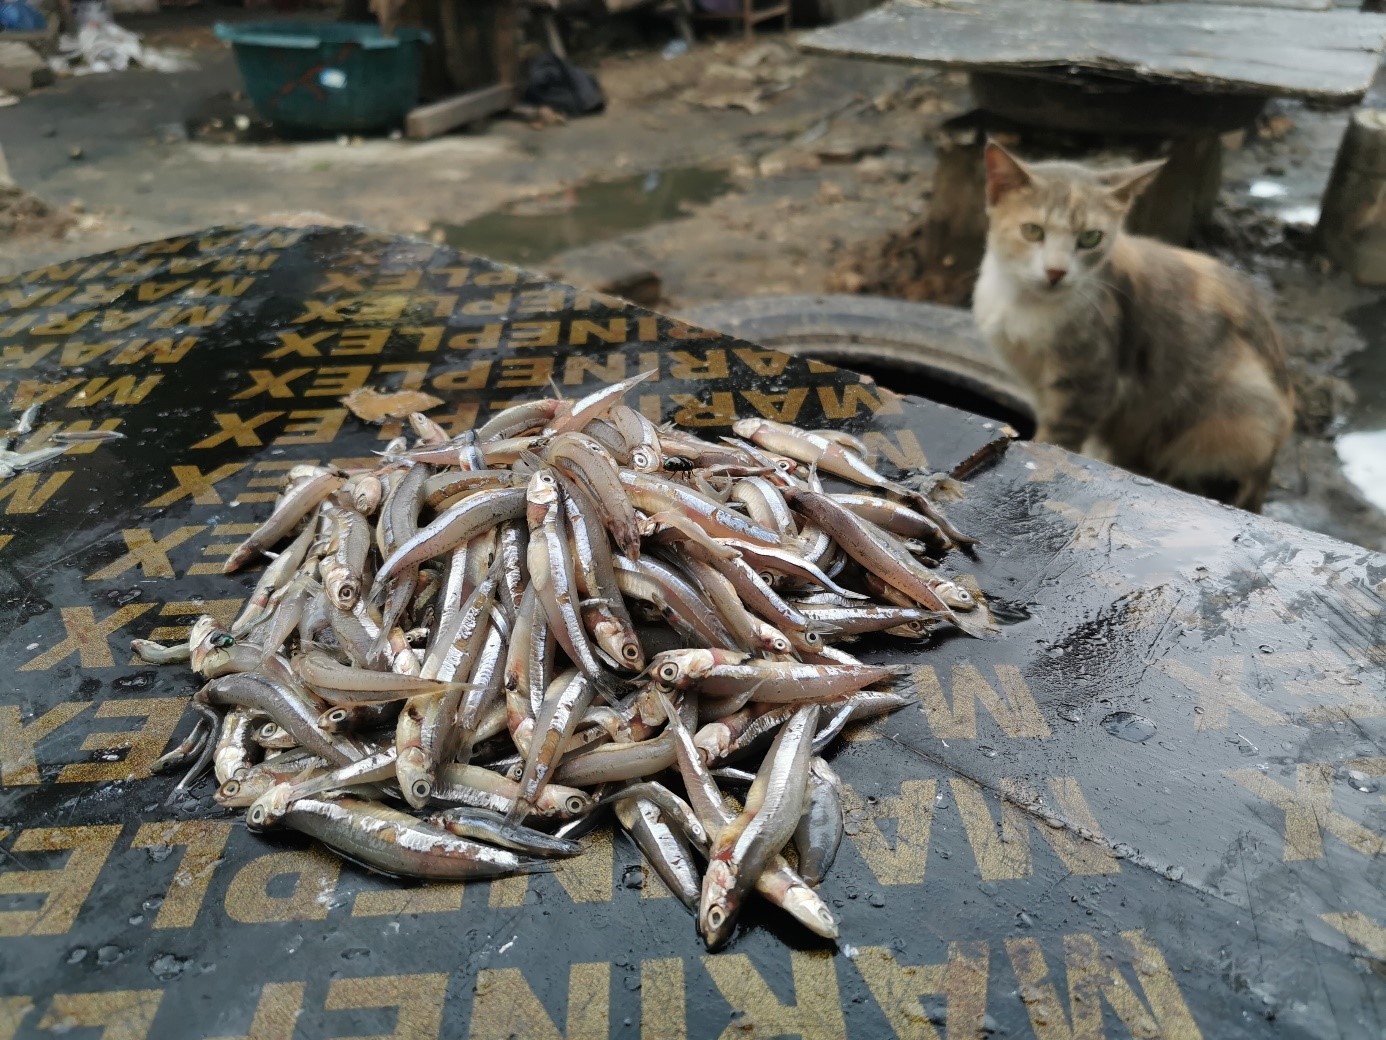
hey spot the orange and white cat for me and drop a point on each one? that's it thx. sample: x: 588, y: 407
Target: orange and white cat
x: 1160, y: 360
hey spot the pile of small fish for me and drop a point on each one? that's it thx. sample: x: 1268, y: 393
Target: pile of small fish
x: 565, y: 609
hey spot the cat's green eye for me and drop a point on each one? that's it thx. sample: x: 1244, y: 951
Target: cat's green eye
x: 1032, y: 232
x: 1089, y: 239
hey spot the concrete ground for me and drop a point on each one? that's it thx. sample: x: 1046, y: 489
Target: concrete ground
x: 819, y: 156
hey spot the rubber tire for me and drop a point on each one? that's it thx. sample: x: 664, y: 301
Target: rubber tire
x: 922, y: 340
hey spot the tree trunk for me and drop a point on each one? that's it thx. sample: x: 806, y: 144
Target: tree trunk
x: 1352, y: 227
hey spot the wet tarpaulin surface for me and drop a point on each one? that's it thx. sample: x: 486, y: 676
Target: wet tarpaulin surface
x: 1153, y: 807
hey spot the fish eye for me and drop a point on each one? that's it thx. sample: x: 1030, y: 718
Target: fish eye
x: 256, y: 816
x: 421, y: 788
x: 630, y: 651
x: 230, y: 789
x: 223, y: 640
x: 338, y: 715
x: 668, y: 671
x: 1088, y: 239
x: 575, y: 804
x: 715, y: 917
x: 1032, y: 232
x: 812, y: 638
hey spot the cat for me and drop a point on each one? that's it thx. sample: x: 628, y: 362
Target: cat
x: 1160, y: 360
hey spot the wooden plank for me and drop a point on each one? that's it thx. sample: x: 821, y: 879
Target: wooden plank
x: 442, y: 116
x: 1299, y: 5
x: 1328, y: 56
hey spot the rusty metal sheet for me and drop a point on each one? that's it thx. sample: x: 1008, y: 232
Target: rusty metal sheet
x: 1313, y: 55
x: 1152, y: 808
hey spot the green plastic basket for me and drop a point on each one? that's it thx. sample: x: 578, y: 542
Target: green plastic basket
x: 328, y: 77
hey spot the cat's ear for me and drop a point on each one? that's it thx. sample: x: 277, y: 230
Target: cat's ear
x: 1129, y: 181
x: 1005, y: 173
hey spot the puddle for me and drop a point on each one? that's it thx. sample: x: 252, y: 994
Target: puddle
x: 537, y: 228
x: 1362, y: 444
x: 1129, y: 726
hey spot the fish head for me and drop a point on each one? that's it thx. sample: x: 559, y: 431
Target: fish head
x: 238, y: 792
x: 541, y: 495
x: 772, y: 639
x: 415, y: 776
x: 806, y: 907
x: 563, y: 803
x: 674, y: 669
x: 334, y: 720
x: 955, y: 595
x: 714, y: 741
x: 367, y: 494
x: 270, y: 807
x: 645, y: 460
x: 747, y: 428
x: 209, y: 646
x: 720, y: 904
x: 618, y: 644
x: 344, y: 590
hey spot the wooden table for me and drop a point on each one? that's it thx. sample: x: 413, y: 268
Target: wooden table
x: 1327, y: 56
x: 1169, y: 77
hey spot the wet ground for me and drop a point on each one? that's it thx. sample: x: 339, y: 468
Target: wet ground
x: 534, y: 230
x: 736, y: 170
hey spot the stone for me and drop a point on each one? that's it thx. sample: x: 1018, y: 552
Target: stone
x: 21, y: 68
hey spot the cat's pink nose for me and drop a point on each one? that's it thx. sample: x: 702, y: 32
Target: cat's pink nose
x: 1055, y: 274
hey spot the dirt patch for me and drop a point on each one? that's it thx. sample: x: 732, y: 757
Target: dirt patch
x: 23, y: 215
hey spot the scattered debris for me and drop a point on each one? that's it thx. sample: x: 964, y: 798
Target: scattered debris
x: 539, y: 117
x: 375, y: 406
x: 748, y: 81
x: 23, y: 214
x: 103, y: 46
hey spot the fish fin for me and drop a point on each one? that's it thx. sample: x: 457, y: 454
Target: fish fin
x: 975, y: 624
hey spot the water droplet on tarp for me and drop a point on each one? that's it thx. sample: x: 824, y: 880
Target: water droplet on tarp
x: 355, y: 953
x: 631, y: 982
x: 988, y: 752
x: 633, y: 876
x: 166, y: 967
x: 108, y: 955
x: 137, y: 919
x: 77, y: 955
x: 876, y: 899
x: 1266, y: 648
x: 1129, y: 726
x: 159, y: 853
x: 1362, y: 782
x: 1070, y: 713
